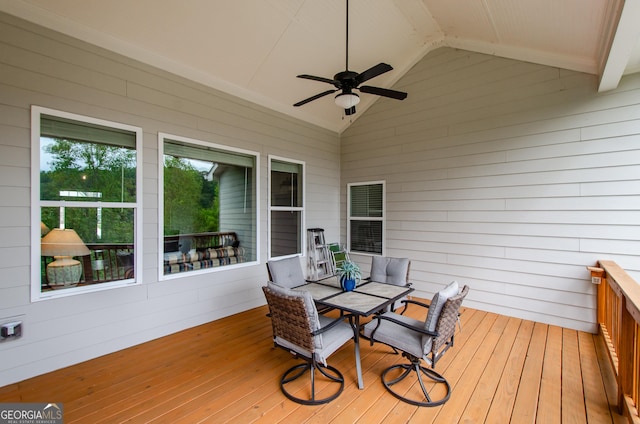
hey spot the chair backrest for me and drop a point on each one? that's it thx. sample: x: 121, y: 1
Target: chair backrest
x: 293, y: 316
x: 445, y: 324
x: 390, y: 270
x: 437, y: 303
x: 286, y: 272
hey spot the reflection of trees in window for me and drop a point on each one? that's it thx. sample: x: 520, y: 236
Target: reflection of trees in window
x: 89, y: 172
x: 206, y: 190
x: 86, y: 179
x: 191, y: 202
x: 91, y: 167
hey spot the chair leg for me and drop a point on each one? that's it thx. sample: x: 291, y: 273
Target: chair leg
x: 331, y: 374
x: 412, y: 368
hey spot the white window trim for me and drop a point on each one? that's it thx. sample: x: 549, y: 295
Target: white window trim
x: 161, y: 139
x: 37, y: 204
x: 303, y: 219
x: 382, y: 219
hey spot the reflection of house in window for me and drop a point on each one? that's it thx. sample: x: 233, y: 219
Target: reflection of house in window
x: 208, y: 203
x: 237, y: 208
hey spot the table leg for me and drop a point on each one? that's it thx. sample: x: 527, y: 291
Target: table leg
x: 357, y: 350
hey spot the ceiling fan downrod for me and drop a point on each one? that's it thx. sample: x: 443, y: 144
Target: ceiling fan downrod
x: 346, y: 47
x: 347, y: 81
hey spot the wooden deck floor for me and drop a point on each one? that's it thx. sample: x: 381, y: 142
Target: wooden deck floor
x: 501, y: 369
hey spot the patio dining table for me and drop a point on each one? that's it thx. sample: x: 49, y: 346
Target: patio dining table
x: 366, y: 299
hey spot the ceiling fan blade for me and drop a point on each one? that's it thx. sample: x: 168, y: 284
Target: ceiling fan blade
x: 321, y: 79
x: 312, y: 98
x: 373, y: 72
x: 398, y: 95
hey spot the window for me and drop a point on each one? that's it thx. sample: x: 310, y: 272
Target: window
x: 286, y: 207
x: 86, y: 197
x: 366, y: 217
x: 208, y: 206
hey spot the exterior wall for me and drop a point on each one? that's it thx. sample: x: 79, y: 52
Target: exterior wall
x: 507, y: 176
x: 41, y: 67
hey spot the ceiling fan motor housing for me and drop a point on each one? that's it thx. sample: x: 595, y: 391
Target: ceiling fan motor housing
x: 346, y: 80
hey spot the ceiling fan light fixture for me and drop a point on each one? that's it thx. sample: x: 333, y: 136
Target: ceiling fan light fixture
x: 347, y: 100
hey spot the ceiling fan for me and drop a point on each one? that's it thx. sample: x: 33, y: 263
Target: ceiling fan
x: 347, y: 81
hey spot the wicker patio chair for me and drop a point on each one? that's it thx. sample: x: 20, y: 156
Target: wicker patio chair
x: 299, y: 329
x: 419, y: 340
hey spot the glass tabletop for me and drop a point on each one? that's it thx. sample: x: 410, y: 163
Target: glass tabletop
x: 365, y: 299
x: 329, y: 281
x: 356, y: 302
x: 319, y: 291
x: 382, y: 289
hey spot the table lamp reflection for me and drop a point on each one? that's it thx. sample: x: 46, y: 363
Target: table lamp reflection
x: 62, y: 244
x: 43, y: 229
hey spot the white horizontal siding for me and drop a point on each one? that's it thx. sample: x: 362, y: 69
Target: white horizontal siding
x: 508, y: 176
x: 41, y: 67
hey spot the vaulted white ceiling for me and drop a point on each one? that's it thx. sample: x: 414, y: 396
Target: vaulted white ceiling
x: 254, y: 49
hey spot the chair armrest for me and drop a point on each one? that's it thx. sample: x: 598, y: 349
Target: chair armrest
x: 405, y: 325
x: 414, y: 302
x: 421, y: 330
x: 332, y: 324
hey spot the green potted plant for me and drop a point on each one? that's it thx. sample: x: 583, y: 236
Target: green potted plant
x: 349, y: 275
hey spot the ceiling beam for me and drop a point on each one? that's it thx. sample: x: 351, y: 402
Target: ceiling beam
x: 624, y: 41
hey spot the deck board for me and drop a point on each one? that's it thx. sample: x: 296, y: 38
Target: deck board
x: 596, y: 405
x: 501, y: 369
x: 480, y: 401
x: 504, y: 397
x: 573, y: 407
x: 551, y: 383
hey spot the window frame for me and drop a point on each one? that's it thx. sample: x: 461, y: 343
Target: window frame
x: 382, y: 218
x: 37, y: 204
x: 301, y: 209
x: 162, y: 137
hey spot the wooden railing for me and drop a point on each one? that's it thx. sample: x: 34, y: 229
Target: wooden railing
x: 619, y: 322
x: 185, y: 242
x: 108, y: 262
x: 105, y: 262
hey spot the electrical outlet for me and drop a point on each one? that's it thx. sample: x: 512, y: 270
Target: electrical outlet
x: 596, y: 280
x: 11, y: 330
